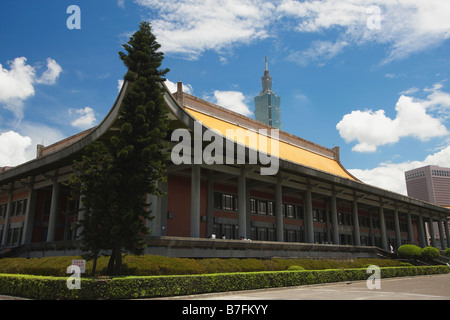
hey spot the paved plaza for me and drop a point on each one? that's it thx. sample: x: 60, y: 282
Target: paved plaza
x: 432, y: 287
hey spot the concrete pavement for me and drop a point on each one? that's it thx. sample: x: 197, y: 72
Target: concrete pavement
x: 430, y: 287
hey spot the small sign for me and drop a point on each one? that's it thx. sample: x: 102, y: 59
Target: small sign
x: 81, y: 264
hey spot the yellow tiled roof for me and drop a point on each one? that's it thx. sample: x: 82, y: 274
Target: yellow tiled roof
x: 286, y: 151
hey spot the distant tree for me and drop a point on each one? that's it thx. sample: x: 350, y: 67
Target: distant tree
x: 117, y: 173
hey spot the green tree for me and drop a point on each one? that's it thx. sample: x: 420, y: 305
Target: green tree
x: 116, y: 173
x: 90, y: 183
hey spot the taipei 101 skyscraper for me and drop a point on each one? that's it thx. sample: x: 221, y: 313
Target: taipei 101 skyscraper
x: 267, y: 103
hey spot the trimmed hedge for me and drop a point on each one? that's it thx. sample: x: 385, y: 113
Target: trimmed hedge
x: 51, y: 288
x: 148, y: 265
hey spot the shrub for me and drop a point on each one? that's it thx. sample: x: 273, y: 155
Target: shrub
x: 409, y: 251
x: 295, y: 268
x: 428, y: 254
x: 148, y: 265
x: 447, y: 252
x: 406, y: 264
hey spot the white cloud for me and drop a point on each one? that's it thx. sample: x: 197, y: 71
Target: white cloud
x: 438, y: 100
x: 391, y: 176
x: 190, y: 28
x: 13, y: 148
x: 405, y: 26
x: 316, y: 16
x: 233, y: 100
x: 319, y: 52
x: 17, y: 83
x: 19, y: 147
x: 16, y: 86
x: 85, y: 118
x: 51, y: 74
x: 409, y: 91
x: 121, y: 4
x: 372, y: 129
x: 172, y: 86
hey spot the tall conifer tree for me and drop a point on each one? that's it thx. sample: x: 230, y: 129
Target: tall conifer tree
x: 129, y: 163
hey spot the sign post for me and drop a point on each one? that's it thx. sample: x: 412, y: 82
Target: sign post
x: 81, y: 264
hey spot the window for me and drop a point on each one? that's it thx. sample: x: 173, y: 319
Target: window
x: 403, y: 227
x: 14, y: 236
x: 365, y: 241
x: 263, y: 234
x: 270, y: 210
x: 262, y: 207
x: 340, y: 218
x: 345, y: 219
x: 390, y: 225
x: 319, y: 215
x: 17, y: 235
x: 217, y: 200
x: 13, y: 209
x: 290, y: 211
x: 376, y: 223
x: 272, y: 234
x: 3, y: 211
x: 19, y: 207
x: 348, y: 219
x: 317, y: 237
x: 322, y: 215
x: 228, y: 202
x: 299, y: 212
x: 346, y: 239
x: 291, y: 236
x: 364, y: 222
x: 252, y: 205
x: 225, y: 201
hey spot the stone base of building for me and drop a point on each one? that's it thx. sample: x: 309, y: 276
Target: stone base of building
x: 215, y: 248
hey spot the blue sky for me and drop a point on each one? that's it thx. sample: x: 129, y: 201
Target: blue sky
x: 371, y: 77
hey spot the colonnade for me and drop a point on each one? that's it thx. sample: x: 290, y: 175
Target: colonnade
x: 26, y: 221
x: 243, y: 178
x: 307, y: 198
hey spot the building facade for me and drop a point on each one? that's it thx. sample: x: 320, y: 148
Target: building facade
x: 431, y: 184
x: 311, y: 197
x: 267, y: 103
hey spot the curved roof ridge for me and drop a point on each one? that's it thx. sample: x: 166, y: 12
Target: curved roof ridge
x: 38, y: 164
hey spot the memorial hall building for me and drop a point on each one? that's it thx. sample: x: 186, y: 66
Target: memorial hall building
x: 311, y: 198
